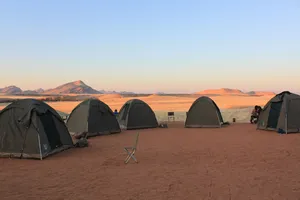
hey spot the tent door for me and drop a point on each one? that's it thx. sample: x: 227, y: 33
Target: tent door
x: 274, y: 115
x: 50, y: 130
x: 124, y: 114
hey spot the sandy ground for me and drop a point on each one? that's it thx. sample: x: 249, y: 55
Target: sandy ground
x: 238, y: 107
x: 236, y: 162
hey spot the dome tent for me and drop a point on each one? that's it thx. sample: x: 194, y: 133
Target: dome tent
x: 94, y: 117
x: 204, y: 112
x: 281, y: 113
x: 136, y: 114
x: 30, y: 128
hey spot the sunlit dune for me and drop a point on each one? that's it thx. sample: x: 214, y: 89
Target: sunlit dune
x: 221, y: 91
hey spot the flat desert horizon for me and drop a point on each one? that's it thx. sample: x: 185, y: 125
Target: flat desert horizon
x: 231, y: 106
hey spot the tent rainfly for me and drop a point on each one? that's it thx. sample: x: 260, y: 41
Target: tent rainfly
x: 136, y: 114
x: 204, y: 112
x: 281, y: 114
x: 30, y: 128
x: 94, y: 117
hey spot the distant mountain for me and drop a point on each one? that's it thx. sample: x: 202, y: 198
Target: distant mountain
x: 125, y: 92
x: 234, y: 92
x: 261, y: 93
x: 79, y: 87
x: 76, y: 87
x: 40, y: 90
x: 11, y: 90
x: 30, y: 92
x: 37, y: 91
x: 221, y: 91
x: 108, y: 92
x: 114, y: 92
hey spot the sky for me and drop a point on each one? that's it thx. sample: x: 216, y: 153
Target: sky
x: 151, y: 46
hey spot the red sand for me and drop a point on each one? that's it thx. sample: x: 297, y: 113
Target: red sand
x: 235, y: 162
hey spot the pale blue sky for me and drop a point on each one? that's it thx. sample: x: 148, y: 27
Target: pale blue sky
x: 150, y: 46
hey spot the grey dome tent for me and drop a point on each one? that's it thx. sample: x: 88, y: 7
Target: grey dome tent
x: 281, y: 114
x: 30, y: 128
x: 204, y: 112
x: 94, y: 117
x: 136, y: 114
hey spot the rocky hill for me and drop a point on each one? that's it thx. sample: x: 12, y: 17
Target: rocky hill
x: 76, y: 87
x: 40, y: 90
x: 11, y: 90
x: 29, y: 92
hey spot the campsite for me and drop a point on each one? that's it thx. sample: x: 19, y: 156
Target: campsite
x: 149, y: 100
x: 204, y: 155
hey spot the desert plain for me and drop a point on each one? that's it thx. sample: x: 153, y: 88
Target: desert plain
x: 231, y: 106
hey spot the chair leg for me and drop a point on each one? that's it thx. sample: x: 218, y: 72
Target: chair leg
x: 128, y: 158
x: 134, y: 158
x: 130, y: 155
x: 127, y: 155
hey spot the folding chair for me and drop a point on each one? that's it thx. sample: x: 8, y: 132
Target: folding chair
x: 133, y: 150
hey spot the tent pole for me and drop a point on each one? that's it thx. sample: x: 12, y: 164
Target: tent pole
x: 41, y: 157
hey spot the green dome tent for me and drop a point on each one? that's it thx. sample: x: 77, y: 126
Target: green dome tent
x: 94, y: 117
x: 204, y: 112
x: 30, y: 128
x: 281, y: 113
x: 136, y: 114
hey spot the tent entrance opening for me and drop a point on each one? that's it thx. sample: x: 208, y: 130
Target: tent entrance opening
x: 274, y: 115
x: 51, y: 130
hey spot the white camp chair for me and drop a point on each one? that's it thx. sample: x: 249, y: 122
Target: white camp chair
x: 133, y: 150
